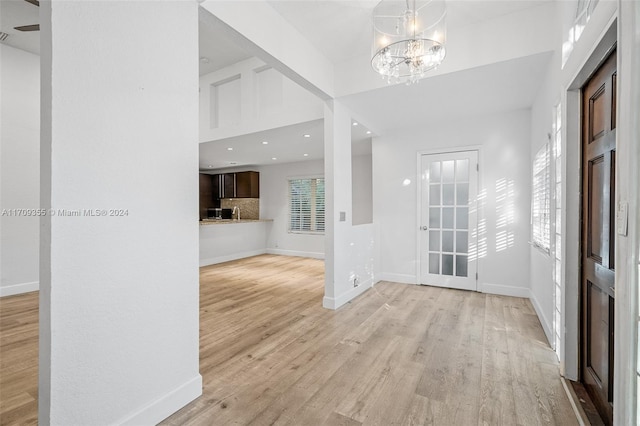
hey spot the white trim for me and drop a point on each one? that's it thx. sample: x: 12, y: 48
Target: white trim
x: 314, y: 176
x: 451, y: 150
x: 230, y: 257
x: 397, y: 278
x: 296, y: 253
x: 596, y: 40
x: 335, y: 302
x: 168, y: 404
x: 20, y: 288
x: 503, y: 290
x: 577, y: 409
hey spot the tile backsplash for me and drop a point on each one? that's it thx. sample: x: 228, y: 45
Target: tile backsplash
x: 249, y: 207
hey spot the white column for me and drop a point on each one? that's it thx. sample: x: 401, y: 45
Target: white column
x: 349, y: 250
x: 627, y: 194
x: 119, y: 293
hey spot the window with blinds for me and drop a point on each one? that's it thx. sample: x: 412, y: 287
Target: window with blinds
x: 306, y: 205
x: 541, y: 198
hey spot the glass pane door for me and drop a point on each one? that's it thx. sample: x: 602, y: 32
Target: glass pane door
x: 449, y: 187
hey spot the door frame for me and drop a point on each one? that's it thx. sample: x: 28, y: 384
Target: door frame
x: 572, y: 196
x: 419, y: 154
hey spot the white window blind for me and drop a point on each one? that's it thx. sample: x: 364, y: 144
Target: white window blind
x: 541, y: 197
x: 306, y: 205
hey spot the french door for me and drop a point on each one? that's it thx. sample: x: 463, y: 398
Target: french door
x: 448, y: 220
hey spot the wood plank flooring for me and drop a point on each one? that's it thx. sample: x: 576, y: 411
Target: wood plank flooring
x: 397, y: 355
x: 19, y: 359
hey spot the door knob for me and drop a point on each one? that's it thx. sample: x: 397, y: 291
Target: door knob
x: 424, y: 228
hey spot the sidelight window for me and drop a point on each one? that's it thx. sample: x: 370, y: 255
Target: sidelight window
x: 306, y: 205
x: 557, y: 274
x: 541, y: 199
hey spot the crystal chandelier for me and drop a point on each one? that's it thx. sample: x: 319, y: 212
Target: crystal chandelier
x: 408, y: 38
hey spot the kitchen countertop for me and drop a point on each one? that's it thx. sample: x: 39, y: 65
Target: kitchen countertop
x: 231, y: 221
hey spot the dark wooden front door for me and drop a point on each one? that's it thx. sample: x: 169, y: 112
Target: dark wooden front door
x: 598, y: 216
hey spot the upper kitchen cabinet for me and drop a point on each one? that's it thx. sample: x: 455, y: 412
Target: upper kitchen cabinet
x: 228, y: 185
x: 248, y: 185
x: 235, y: 185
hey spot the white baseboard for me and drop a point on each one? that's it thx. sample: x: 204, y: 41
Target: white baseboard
x: 313, y: 255
x: 397, y: 278
x: 504, y: 290
x: 10, y: 290
x: 546, y: 325
x: 230, y: 257
x: 163, y: 407
x: 336, y: 302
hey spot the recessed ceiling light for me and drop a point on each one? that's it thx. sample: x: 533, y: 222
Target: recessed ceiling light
x: 229, y: 149
x: 273, y: 158
x: 306, y: 155
x: 209, y: 166
x: 368, y: 132
x: 355, y: 123
x: 233, y: 162
x: 265, y: 143
x: 306, y: 135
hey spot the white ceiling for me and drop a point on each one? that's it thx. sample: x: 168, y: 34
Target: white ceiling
x: 338, y: 28
x: 341, y: 29
x: 502, y: 86
x: 216, y: 49
x: 286, y: 144
x: 14, y: 13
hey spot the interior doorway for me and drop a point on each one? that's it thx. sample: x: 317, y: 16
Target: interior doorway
x: 448, y: 220
x: 597, y: 282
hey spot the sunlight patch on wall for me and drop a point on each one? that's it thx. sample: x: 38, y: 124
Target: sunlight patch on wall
x: 505, y: 214
x: 479, y: 248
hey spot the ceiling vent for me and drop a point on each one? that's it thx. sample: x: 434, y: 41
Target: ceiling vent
x: 3, y: 36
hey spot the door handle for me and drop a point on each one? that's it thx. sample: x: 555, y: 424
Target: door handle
x: 424, y: 228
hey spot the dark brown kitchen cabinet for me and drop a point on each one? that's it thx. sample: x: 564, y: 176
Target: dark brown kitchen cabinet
x: 248, y: 185
x: 228, y: 184
x: 217, y: 190
x: 206, y: 194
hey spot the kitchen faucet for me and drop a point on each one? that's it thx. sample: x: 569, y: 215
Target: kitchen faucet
x: 236, y: 209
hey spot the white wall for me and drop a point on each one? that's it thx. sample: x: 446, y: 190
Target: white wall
x: 274, y: 199
x: 542, y: 264
x: 504, y: 141
x: 20, y: 169
x: 119, y: 295
x: 224, y: 242
x: 249, y: 97
x: 362, y: 189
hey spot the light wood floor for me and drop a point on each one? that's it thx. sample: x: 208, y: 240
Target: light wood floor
x: 399, y: 354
